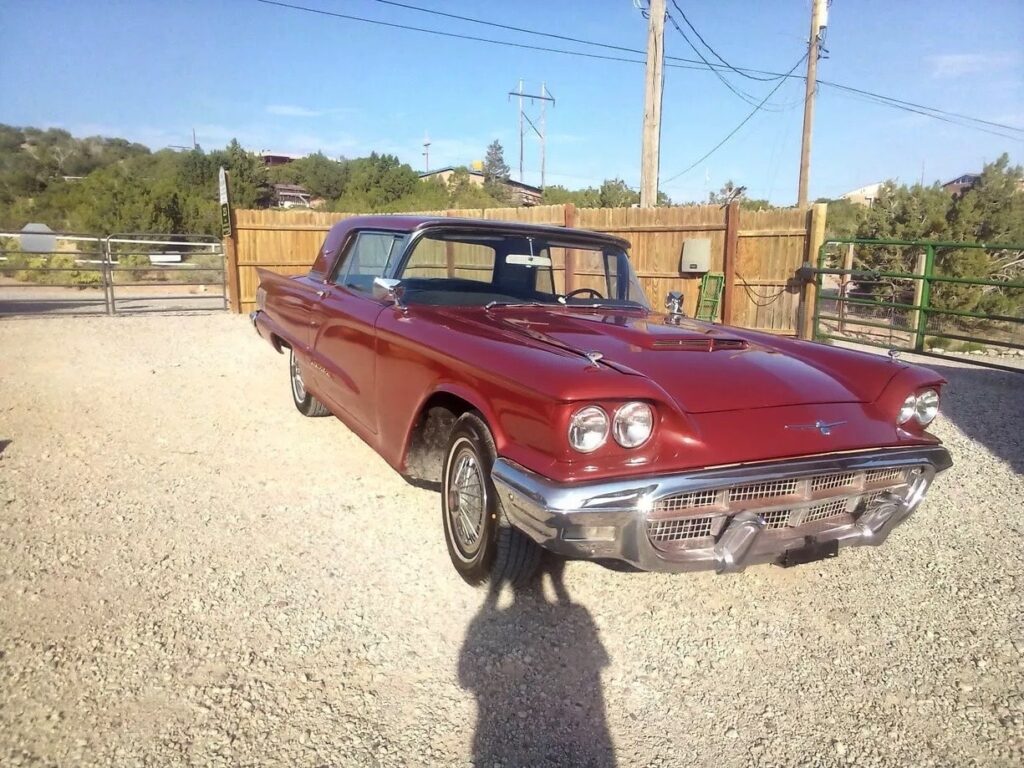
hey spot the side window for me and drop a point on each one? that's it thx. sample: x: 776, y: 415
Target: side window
x: 368, y: 257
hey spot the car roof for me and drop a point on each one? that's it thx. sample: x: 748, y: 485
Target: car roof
x: 401, y: 223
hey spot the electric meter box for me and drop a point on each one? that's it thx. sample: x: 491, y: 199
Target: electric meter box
x: 696, y: 255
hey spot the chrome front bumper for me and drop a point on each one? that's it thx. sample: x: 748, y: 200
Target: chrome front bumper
x: 612, y: 519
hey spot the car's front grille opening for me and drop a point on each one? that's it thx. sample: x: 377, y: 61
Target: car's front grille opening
x: 885, y: 475
x: 682, y: 501
x: 841, y: 480
x: 666, y: 531
x: 766, y: 490
x: 824, y: 511
x: 679, y: 520
x: 776, y: 518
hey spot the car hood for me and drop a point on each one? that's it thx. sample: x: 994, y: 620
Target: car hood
x: 704, y: 368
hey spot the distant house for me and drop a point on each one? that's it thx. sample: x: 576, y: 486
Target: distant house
x: 865, y: 196
x: 270, y: 159
x: 961, y: 184
x: 528, y: 195
x: 292, y: 196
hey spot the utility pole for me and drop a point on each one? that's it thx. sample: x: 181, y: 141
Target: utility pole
x: 426, y: 151
x: 819, y: 20
x: 520, y: 130
x: 543, y: 97
x: 543, y: 130
x: 651, y: 148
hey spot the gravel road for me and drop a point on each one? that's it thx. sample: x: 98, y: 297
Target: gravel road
x: 191, y: 573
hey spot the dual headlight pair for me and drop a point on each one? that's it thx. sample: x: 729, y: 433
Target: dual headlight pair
x: 922, y: 408
x: 631, y: 426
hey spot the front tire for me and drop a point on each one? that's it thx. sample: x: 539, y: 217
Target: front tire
x: 304, y: 401
x: 482, y: 544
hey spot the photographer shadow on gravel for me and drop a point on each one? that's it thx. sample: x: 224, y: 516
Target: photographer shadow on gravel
x: 535, y: 669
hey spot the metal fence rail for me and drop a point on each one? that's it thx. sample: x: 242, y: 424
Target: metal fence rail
x: 905, y: 304
x: 117, y: 274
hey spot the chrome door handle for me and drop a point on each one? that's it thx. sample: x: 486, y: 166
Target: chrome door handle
x: 321, y: 294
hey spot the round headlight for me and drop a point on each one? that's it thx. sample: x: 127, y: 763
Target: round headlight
x: 633, y: 424
x: 907, y: 410
x: 588, y: 429
x: 927, y: 407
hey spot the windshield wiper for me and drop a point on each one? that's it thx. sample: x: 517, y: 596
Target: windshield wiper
x: 493, y: 304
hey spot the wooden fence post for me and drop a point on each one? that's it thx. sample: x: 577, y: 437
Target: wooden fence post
x: 732, y: 242
x: 569, y: 213
x: 815, y: 237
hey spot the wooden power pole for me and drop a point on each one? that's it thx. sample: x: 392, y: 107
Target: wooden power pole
x: 651, y: 148
x: 819, y: 20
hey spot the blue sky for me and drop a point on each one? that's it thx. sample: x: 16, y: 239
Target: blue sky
x: 295, y: 82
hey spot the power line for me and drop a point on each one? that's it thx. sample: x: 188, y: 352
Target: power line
x: 735, y: 130
x: 715, y: 53
x: 438, y: 32
x: 696, y: 64
x: 682, y: 63
x: 893, y: 101
x: 509, y: 27
x: 749, y: 99
x: 714, y: 68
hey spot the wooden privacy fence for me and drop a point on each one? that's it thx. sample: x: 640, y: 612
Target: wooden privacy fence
x: 757, y: 251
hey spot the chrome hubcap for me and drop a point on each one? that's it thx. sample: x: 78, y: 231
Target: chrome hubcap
x: 298, y: 387
x: 466, y: 497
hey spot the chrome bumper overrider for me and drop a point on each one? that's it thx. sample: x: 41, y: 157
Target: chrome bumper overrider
x: 723, y: 519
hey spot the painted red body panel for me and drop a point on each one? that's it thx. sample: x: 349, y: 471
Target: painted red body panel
x: 375, y: 366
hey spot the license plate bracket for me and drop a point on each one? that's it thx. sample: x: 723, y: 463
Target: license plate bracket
x: 809, y: 552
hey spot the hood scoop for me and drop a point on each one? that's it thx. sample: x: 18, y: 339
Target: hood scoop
x: 691, y: 344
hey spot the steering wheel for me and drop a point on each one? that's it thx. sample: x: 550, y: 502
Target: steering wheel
x: 593, y: 294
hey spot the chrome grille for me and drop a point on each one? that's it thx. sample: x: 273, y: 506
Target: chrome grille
x: 765, y: 490
x: 679, y: 519
x: 687, y: 501
x: 825, y: 482
x: 885, y: 475
x: 832, y: 508
x: 679, y: 530
x: 777, y: 518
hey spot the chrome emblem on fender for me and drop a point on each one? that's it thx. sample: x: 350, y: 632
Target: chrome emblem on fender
x: 825, y: 427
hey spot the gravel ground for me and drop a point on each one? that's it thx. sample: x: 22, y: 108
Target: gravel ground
x: 192, y: 573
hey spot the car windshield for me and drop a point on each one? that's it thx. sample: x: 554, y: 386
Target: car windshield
x: 499, y: 269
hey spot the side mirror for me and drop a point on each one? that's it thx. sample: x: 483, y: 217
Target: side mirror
x: 388, y: 290
x: 674, y: 303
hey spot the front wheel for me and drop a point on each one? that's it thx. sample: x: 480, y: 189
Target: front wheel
x: 483, y: 546
x: 304, y: 401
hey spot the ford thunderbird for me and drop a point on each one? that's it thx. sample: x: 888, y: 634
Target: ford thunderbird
x: 568, y: 415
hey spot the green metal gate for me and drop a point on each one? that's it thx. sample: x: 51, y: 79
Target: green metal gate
x: 927, y: 310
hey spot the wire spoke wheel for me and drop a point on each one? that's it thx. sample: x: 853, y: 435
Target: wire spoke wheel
x: 466, y: 497
x: 298, y: 386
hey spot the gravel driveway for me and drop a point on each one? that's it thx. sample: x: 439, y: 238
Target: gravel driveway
x: 193, y: 573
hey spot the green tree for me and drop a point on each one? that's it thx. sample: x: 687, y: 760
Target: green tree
x: 320, y: 175
x: 496, y: 170
x: 250, y: 183
x: 992, y: 211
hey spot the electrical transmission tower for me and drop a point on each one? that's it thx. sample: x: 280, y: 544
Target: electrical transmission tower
x: 543, y: 97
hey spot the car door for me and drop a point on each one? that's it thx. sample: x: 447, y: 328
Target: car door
x: 344, y: 325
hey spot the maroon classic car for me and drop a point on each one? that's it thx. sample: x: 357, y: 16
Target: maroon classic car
x: 583, y: 422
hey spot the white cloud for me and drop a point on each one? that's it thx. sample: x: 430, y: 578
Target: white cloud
x: 950, y: 65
